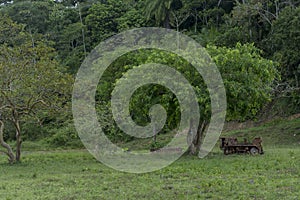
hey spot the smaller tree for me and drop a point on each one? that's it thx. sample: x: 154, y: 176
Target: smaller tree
x: 30, y: 82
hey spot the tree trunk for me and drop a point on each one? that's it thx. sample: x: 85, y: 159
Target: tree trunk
x: 196, y: 143
x: 9, y: 153
x: 196, y: 21
x: 18, y: 140
x: 167, y: 20
x: 154, y: 134
x: 82, y: 30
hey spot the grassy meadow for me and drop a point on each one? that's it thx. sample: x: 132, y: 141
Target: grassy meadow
x: 75, y: 174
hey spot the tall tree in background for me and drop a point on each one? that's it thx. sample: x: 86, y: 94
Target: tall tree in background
x: 161, y: 10
x: 33, y: 14
x: 284, y: 42
x: 283, y: 46
x: 102, y: 20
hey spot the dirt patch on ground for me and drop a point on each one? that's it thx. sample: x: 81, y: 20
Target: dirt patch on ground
x: 296, y: 116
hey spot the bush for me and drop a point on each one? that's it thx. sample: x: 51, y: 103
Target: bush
x: 65, y: 136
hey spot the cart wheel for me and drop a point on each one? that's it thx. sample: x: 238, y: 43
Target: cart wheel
x: 225, y: 151
x: 254, y: 151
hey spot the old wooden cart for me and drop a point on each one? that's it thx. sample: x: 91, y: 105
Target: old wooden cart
x: 231, y: 145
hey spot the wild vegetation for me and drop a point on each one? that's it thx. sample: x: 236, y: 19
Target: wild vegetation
x: 254, y: 43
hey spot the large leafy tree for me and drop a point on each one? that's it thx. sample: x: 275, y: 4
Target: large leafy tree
x: 30, y: 82
x: 247, y: 76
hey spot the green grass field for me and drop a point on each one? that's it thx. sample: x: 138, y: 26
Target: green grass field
x: 75, y: 174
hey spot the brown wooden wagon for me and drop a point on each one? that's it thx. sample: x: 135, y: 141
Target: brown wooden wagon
x: 231, y: 145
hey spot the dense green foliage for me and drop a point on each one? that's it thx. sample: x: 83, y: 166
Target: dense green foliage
x: 253, y: 77
x: 254, y: 43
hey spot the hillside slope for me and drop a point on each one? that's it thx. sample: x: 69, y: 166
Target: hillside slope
x: 279, y: 132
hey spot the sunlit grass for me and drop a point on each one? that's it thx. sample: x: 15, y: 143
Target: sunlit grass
x: 77, y: 175
x: 46, y: 173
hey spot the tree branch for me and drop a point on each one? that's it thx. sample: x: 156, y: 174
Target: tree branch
x: 9, y: 101
x: 5, y: 106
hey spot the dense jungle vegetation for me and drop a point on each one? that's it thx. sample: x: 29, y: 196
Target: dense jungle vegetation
x: 254, y: 43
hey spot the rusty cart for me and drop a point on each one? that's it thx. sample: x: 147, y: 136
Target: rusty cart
x: 231, y: 145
